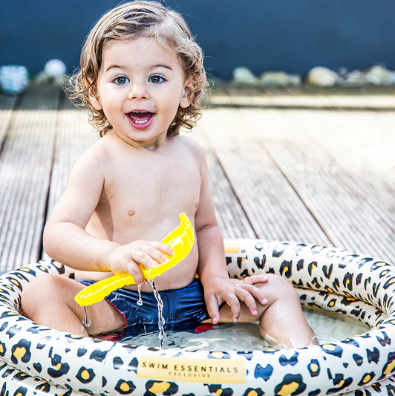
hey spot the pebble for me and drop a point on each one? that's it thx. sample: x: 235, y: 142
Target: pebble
x: 244, y: 75
x: 322, y: 77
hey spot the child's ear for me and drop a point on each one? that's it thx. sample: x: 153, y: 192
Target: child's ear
x: 95, y: 103
x: 187, y: 94
x: 94, y: 98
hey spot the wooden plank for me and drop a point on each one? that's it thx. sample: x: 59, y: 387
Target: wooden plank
x: 270, y: 202
x: 231, y: 217
x: 7, y: 104
x: 304, y: 96
x: 332, y: 193
x: 24, y: 176
x: 74, y: 136
x: 363, y: 144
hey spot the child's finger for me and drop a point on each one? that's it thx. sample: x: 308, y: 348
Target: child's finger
x: 133, y: 268
x: 234, y: 305
x: 143, y: 258
x: 212, y: 308
x: 256, y: 293
x: 162, y: 247
x: 156, y: 255
x: 255, y: 279
x: 248, y: 300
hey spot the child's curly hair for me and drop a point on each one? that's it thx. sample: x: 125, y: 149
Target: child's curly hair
x: 133, y: 20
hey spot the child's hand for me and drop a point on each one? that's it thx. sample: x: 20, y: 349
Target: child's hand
x: 232, y: 291
x: 126, y: 258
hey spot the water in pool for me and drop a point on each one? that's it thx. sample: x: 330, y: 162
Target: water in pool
x: 327, y: 326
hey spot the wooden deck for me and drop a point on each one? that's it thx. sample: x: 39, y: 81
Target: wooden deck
x: 305, y: 165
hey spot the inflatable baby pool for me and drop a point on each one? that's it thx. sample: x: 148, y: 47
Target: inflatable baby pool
x: 36, y: 360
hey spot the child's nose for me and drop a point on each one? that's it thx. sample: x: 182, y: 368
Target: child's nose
x: 138, y: 91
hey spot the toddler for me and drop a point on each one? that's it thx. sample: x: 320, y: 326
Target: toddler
x: 141, y: 78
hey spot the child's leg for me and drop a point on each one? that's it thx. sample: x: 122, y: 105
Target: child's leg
x: 49, y: 301
x: 281, y: 319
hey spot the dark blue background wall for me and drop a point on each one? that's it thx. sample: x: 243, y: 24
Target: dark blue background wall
x: 291, y: 35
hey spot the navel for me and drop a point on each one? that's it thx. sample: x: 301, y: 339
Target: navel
x: 131, y: 212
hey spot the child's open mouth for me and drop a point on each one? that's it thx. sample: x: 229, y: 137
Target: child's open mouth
x: 140, y: 119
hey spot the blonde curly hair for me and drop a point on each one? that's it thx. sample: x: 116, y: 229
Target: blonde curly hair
x: 130, y: 21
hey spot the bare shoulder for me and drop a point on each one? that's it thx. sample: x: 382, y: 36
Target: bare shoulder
x: 189, y: 143
x: 192, y: 146
x: 83, y: 190
x: 87, y: 171
x: 93, y: 158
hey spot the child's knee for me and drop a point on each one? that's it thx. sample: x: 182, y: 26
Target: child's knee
x: 280, y: 289
x: 38, y: 291
x: 284, y: 285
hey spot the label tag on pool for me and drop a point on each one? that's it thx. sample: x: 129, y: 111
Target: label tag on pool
x: 214, y: 371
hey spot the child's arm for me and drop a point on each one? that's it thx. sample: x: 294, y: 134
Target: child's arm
x: 212, y: 264
x: 66, y: 240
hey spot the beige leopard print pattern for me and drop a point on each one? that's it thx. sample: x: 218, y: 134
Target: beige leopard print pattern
x: 36, y: 359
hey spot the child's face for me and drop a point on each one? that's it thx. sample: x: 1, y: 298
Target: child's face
x: 133, y: 76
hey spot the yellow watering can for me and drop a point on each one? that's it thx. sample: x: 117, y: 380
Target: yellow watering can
x: 180, y: 240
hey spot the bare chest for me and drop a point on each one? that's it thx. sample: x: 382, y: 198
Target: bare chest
x: 162, y: 182
x: 145, y: 197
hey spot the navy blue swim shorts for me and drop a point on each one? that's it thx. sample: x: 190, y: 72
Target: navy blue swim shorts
x: 183, y: 309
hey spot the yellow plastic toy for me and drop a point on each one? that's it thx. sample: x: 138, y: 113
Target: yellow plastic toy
x: 180, y: 240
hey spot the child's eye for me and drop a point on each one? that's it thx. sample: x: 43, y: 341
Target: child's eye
x: 155, y: 79
x: 121, y: 80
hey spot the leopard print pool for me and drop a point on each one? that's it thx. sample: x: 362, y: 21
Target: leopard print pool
x: 36, y: 360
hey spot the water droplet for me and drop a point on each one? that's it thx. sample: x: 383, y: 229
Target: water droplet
x: 259, y: 246
x: 161, y: 319
x: 86, y: 321
x: 140, y: 301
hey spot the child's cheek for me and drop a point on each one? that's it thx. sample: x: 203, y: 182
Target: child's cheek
x: 171, y: 102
